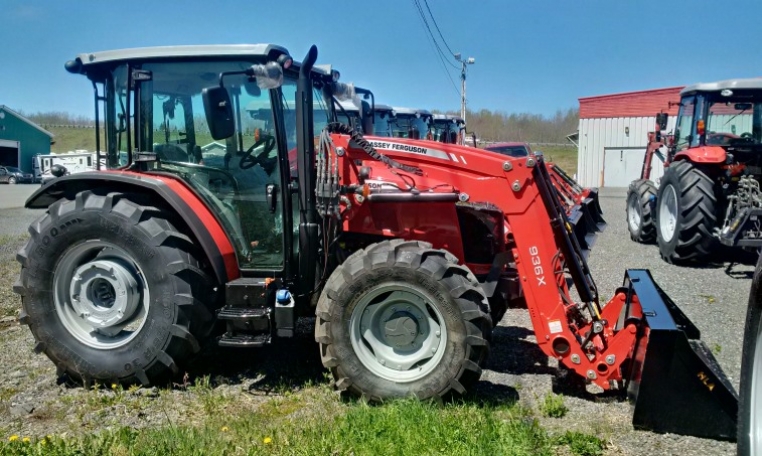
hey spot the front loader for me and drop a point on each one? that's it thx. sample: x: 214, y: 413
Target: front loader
x: 709, y: 196
x: 395, y: 246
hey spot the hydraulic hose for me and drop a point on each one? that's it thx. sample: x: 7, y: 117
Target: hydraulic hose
x: 357, y: 137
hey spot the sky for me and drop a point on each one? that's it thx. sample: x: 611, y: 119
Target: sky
x: 535, y: 56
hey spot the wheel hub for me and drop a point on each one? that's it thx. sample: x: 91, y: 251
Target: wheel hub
x: 633, y: 213
x: 397, y: 334
x: 104, y: 292
x: 402, y: 329
x: 668, y: 213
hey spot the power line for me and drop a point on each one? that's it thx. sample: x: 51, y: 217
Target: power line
x: 439, y: 54
x: 431, y: 34
x: 425, y: 2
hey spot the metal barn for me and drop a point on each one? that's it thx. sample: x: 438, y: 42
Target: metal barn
x: 613, y: 134
x: 20, y: 140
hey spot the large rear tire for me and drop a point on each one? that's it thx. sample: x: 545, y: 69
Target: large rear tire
x: 112, y: 291
x: 640, y: 221
x: 401, y: 319
x: 750, y: 394
x: 685, y: 214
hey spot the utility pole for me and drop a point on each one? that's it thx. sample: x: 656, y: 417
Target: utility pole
x: 463, y: 63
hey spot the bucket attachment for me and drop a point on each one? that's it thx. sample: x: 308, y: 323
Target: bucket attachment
x: 674, y: 381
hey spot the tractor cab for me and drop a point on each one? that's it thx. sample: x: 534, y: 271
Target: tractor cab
x: 447, y: 128
x: 727, y: 114
x: 158, y: 109
x: 410, y: 123
x: 371, y: 120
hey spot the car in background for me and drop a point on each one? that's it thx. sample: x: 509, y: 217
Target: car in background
x: 13, y: 175
x: 513, y: 149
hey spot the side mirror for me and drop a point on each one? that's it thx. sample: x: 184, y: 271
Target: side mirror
x: 661, y: 120
x: 219, y: 112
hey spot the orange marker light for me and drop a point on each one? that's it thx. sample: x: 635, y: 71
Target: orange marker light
x: 700, y: 128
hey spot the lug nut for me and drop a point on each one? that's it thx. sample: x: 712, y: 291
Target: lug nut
x: 610, y: 359
x: 507, y: 166
x: 591, y: 374
x: 575, y: 358
x: 516, y: 186
x: 530, y: 162
x: 439, y: 333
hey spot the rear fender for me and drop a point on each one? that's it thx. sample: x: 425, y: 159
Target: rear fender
x: 204, y: 226
x: 703, y: 154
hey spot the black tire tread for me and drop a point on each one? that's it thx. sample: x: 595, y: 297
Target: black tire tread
x: 194, y: 286
x: 643, y: 189
x: 421, y: 257
x: 697, y: 218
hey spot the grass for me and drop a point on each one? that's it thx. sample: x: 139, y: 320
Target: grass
x: 9, y: 270
x: 553, y: 406
x: 316, y: 422
x: 564, y: 157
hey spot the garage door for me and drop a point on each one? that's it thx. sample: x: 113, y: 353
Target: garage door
x: 9, y: 153
x: 621, y: 165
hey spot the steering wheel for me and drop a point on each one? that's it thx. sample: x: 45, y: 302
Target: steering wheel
x: 248, y: 160
x: 746, y: 135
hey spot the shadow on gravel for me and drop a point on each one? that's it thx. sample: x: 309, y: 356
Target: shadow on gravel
x: 285, y: 364
x: 512, y: 353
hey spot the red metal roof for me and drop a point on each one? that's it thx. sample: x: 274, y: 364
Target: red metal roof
x: 643, y: 103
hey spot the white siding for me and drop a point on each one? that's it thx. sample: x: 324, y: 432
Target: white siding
x: 595, y: 135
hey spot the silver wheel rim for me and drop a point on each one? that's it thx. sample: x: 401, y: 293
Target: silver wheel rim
x: 668, y: 213
x: 100, y: 294
x: 397, y: 334
x: 633, y: 213
x: 755, y: 406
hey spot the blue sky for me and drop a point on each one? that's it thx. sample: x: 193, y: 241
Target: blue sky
x: 531, y: 56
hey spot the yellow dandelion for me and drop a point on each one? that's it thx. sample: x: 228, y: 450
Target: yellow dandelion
x: 225, y: 429
x: 113, y: 386
x: 26, y: 440
x: 268, y: 440
x: 13, y: 438
x: 43, y: 442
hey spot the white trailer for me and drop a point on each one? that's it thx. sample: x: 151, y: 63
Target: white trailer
x: 74, y: 162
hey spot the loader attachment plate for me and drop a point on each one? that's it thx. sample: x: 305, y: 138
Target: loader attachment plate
x: 674, y: 381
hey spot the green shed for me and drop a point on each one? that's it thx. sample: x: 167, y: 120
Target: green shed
x: 20, y: 140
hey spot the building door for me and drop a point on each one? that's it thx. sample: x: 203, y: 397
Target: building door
x: 622, y: 165
x: 9, y: 153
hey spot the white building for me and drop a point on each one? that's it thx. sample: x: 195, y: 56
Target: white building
x: 613, y: 135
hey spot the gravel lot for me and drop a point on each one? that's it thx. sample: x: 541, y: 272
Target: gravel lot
x: 12, y: 196
x: 32, y: 403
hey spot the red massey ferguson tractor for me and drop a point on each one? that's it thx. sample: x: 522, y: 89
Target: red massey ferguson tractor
x: 393, y: 246
x: 709, y: 195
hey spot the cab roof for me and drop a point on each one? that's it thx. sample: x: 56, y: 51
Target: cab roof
x: 749, y: 83
x: 410, y: 111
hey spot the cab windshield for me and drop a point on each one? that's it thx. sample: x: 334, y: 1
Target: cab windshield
x: 409, y: 126
x: 734, y: 120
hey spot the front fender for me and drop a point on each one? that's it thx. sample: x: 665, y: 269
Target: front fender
x: 703, y: 154
x: 204, y: 226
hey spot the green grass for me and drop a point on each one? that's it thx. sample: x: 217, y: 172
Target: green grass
x: 553, y: 406
x: 564, y: 157
x: 316, y: 422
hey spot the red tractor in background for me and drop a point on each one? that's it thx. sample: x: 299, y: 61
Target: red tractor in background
x: 395, y: 246
x: 709, y: 195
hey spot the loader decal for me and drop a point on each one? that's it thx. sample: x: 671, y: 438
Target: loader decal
x: 407, y: 148
x: 537, y: 263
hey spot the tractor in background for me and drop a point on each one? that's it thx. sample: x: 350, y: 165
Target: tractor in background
x: 709, y: 196
x: 395, y: 246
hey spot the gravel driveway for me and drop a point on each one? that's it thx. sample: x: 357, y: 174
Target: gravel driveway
x: 31, y: 401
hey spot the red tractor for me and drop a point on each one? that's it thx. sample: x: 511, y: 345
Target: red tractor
x: 395, y: 246
x: 709, y: 195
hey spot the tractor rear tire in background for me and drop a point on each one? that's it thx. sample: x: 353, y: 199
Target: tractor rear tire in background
x: 750, y: 391
x: 112, y: 291
x: 640, y: 220
x: 685, y: 214
x: 401, y: 319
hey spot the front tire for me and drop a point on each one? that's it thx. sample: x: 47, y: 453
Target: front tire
x: 685, y: 214
x: 112, y: 291
x: 401, y: 319
x: 640, y: 221
x: 750, y: 394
